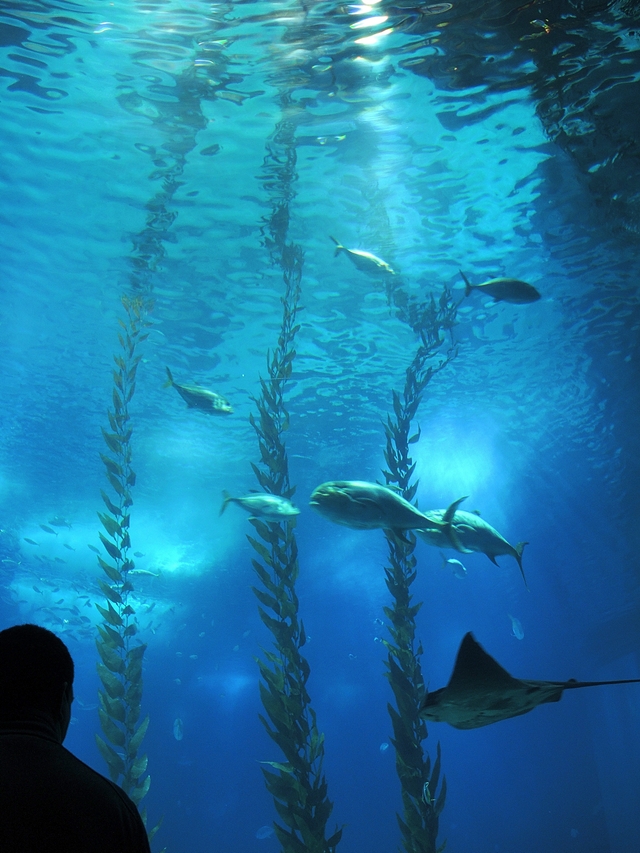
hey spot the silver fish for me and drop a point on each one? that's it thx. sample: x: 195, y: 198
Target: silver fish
x: 368, y: 506
x: 458, y: 569
x: 504, y: 289
x: 262, y: 505
x: 364, y: 261
x: 199, y: 398
x: 473, y: 534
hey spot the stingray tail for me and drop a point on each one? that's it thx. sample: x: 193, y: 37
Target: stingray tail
x: 468, y: 287
x: 169, y: 379
x: 226, y: 498
x: 339, y: 247
x: 518, y: 555
x: 573, y: 683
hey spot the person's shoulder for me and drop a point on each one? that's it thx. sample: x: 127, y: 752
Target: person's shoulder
x: 99, y: 782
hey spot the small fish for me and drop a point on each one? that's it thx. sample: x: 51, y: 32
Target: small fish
x: 516, y: 627
x: 269, y: 507
x: 31, y: 541
x: 178, y: 728
x: 94, y: 549
x: 456, y: 566
x: 199, y: 398
x: 59, y: 560
x: 59, y: 521
x: 138, y: 554
x: 264, y: 832
x: 504, y: 290
x: 49, y: 529
x: 146, y: 572
x: 364, y: 261
x: 69, y: 547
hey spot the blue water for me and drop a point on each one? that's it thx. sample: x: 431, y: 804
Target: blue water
x: 145, y: 149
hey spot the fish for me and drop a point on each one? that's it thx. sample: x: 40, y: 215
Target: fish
x: 199, y: 398
x: 369, y: 506
x: 178, y: 728
x: 516, y: 627
x: 504, y: 290
x: 364, y: 261
x: 146, y: 572
x: 456, y: 566
x: 269, y: 507
x: 31, y: 541
x: 94, y: 549
x: 474, y: 534
x: 481, y: 692
x: 59, y: 521
x: 49, y: 529
x: 69, y: 547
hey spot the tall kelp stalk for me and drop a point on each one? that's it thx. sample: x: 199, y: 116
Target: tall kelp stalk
x: 120, y: 650
x: 421, y: 800
x: 297, y: 784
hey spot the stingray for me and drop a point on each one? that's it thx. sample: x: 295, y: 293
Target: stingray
x: 481, y: 692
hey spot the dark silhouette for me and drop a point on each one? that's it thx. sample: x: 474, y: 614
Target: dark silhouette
x: 50, y: 801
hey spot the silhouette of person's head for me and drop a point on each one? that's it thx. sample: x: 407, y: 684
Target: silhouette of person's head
x: 36, y: 676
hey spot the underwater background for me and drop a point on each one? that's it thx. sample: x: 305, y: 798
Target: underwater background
x: 172, y: 174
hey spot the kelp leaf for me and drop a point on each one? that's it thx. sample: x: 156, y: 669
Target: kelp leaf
x: 111, y: 465
x: 266, y: 599
x: 113, y: 509
x: 138, y: 793
x: 115, y: 484
x: 136, y: 740
x: 110, y: 524
x: 110, y: 615
x: 114, y: 708
x: 110, y: 548
x: 110, y: 658
x: 284, y: 768
x: 139, y: 766
x: 115, y: 734
x: 136, y: 652
x: 108, y: 592
x: 114, y: 762
x: 110, y: 571
x: 113, y: 441
x: 441, y: 797
x: 113, y: 685
x: 262, y: 551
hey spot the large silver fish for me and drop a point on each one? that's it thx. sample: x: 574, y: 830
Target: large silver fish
x: 199, y: 398
x: 262, y: 505
x: 364, y: 261
x: 369, y: 506
x: 472, y: 534
x: 504, y: 289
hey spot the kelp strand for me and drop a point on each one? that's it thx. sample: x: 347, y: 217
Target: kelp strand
x: 422, y: 801
x: 121, y: 653
x: 297, y: 784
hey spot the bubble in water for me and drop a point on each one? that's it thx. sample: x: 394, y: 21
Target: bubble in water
x: 384, y: 747
x: 264, y: 832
